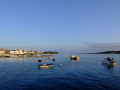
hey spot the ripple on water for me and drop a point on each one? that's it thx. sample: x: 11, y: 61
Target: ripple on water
x: 88, y: 73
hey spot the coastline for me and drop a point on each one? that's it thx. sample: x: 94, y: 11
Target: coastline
x: 4, y: 53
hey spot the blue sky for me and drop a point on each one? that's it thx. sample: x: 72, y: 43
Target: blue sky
x: 60, y: 24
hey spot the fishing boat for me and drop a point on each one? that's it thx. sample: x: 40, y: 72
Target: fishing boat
x: 109, y: 61
x: 74, y: 58
x: 46, y: 65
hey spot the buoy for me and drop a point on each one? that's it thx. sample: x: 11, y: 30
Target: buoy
x: 53, y: 59
x: 41, y: 61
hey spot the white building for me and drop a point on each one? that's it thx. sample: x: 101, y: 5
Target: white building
x: 18, y: 52
x: 3, y: 51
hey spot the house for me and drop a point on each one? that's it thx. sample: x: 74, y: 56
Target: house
x: 31, y: 52
x: 25, y: 52
x: 18, y: 52
x: 3, y: 51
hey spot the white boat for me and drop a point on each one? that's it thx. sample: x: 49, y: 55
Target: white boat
x: 46, y: 65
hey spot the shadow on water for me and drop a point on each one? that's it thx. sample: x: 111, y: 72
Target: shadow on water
x: 108, y: 66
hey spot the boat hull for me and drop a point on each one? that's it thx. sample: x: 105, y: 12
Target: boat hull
x: 113, y: 63
x: 46, y: 65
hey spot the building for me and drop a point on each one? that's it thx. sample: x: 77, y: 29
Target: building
x: 31, y: 52
x: 18, y: 52
x: 3, y: 51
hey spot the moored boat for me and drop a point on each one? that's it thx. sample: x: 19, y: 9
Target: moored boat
x: 109, y: 61
x: 75, y: 58
x: 46, y: 65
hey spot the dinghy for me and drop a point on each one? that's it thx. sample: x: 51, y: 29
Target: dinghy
x: 46, y: 65
x: 74, y: 58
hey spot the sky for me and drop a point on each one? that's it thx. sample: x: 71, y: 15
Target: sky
x: 81, y: 25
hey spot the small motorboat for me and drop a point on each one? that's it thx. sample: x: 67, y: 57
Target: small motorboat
x: 109, y: 61
x: 46, y: 65
x: 75, y: 58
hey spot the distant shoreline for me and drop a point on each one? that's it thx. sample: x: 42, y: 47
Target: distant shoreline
x: 23, y: 53
x: 105, y: 52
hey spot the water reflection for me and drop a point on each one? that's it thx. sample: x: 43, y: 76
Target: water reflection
x: 73, y: 61
x: 39, y: 68
x: 13, y: 59
x: 108, y: 66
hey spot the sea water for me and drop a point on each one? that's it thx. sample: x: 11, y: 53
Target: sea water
x: 87, y: 73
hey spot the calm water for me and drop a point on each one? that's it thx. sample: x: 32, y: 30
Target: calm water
x: 88, y: 73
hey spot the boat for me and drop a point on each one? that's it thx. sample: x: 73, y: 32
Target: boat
x: 46, y: 65
x: 75, y: 58
x: 109, y: 61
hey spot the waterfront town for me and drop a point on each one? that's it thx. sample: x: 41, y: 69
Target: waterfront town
x: 23, y: 53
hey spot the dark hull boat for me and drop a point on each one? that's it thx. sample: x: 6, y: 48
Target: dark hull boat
x: 74, y: 58
x: 109, y: 61
x: 46, y: 65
